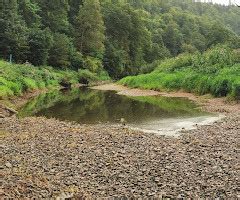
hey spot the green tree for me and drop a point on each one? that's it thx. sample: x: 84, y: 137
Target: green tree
x: 54, y: 14
x: 40, y: 42
x: 30, y: 13
x: 89, y: 29
x: 13, y: 32
x: 59, y: 55
x: 218, y: 35
x: 173, y: 38
x: 74, y: 9
x: 127, y: 39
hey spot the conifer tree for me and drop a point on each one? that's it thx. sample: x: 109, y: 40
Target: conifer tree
x: 54, y: 14
x: 89, y: 29
x: 30, y: 13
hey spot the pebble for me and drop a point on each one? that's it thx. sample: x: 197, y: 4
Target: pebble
x: 8, y: 165
x: 54, y: 159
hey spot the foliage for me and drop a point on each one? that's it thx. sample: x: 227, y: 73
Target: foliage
x: 54, y: 14
x: 89, y: 29
x: 215, y: 71
x: 13, y: 32
x: 16, y: 79
x: 40, y: 43
x: 125, y: 37
x: 85, y: 76
x: 59, y: 54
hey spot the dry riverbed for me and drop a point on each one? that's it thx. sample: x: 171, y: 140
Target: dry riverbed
x: 46, y: 158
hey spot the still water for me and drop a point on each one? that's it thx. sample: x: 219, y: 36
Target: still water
x: 87, y: 106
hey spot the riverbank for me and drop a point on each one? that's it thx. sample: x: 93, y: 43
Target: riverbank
x: 21, y: 79
x: 45, y: 158
x: 214, y: 72
x: 206, y: 102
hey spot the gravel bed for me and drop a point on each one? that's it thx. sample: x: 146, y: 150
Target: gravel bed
x: 45, y: 158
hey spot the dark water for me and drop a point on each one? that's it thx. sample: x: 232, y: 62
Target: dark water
x: 92, y: 106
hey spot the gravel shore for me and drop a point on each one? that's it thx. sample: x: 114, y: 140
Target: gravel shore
x: 45, y: 158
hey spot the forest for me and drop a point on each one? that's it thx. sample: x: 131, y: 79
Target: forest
x: 112, y: 38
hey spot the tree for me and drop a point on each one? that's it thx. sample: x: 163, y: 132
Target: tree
x: 218, y: 35
x: 40, y: 42
x: 173, y: 38
x: 59, y: 55
x: 30, y: 13
x: 89, y: 29
x: 74, y: 9
x: 127, y: 39
x: 13, y: 32
x: 54, y: 14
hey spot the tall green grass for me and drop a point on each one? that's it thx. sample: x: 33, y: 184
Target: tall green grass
x: 216, y: 71
x: 16, y: 79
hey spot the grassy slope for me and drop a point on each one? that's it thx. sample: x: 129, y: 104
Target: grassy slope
x: 16, y: 79
x: 217, y: 72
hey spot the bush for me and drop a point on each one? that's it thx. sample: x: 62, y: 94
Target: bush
x: 76, y: 59
x: 236, y: 91
x: 92, y: 64
x: 29, y: 84
x: 85, y: 76
x: 172, y: 64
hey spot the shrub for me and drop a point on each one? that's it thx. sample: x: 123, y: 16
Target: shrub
x: 92, y: 64
x: 172, y: 64
x: 5, y: 91
x: 85, y: 76
x: 236, y: 90
x: 29, y: 84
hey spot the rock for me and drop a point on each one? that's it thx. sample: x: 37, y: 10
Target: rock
x: 2, y: 116
x: 105, y: 161
x: 11, y: 110
x: 8, y: 165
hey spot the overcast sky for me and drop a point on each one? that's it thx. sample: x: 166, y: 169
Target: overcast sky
x: 226, y: 1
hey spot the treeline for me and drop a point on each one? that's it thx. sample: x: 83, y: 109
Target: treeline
x: 123, y: 37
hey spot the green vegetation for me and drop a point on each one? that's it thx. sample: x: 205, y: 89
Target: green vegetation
x: 122, y: 37
x: 217, y: 71
x: 16, y: 79
x: 88, y: 40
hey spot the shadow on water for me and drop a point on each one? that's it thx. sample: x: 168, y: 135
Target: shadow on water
x: 88, y: 106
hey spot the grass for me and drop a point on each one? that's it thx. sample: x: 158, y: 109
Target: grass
x: 215, y: 72
x: 15, y: 79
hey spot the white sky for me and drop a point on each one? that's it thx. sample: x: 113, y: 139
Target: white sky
x: 226, y: 1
